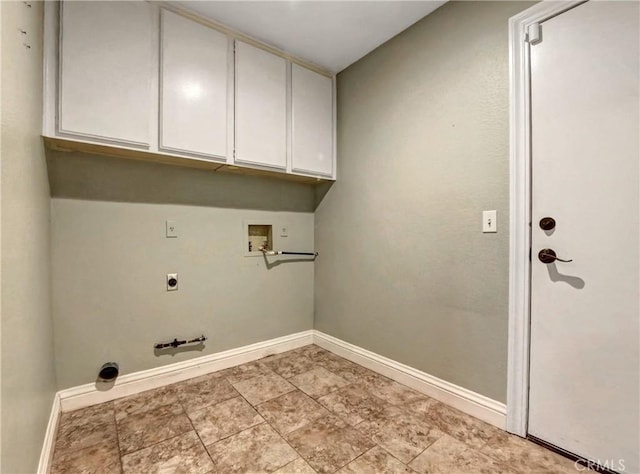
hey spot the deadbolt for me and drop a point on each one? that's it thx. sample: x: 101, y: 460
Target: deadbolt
x: 549, y: 256
x: 547, y: 223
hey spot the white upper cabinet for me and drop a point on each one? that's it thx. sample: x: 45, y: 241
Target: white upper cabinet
x: 311, y: 122
x: 106, y: 62
x: 193, y: 108
x: 260, y: 107
x: 144, y: 77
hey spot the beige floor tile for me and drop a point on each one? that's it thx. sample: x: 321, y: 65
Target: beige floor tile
x: 200, y: 392
x: 376, y: 461
x: 348, y: 370
x: 312, y: 350
x: 291, y: 411
x: 328, y: 443
x: 102, y: 413
x: 522, y: 456
x: 421, y: 407
x: 145, y: 401
x: 224, y: 419
x: 246, y: 371
x: 390, y: 391
x: 289, y: 364
x: 143, y: 429
x: 264, y: 387
x: 318, y: 382
x: 299, y: 466
x: 255, y: 450
x: 465, y: 428
x: 183, y: 454
x: 353, y: 404
x: 353, y: 373
x: 81, y: 434
x: 449, y: 456
x: 402, y: 435
x: 97, y: 459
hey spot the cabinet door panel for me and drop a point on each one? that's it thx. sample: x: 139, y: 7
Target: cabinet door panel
x: 106, y: 67
x: 194, y: 87
x: 312, y: 122
x: 261, y: 107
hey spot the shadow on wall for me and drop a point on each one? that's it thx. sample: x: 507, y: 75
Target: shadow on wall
x: 321, y: 191
x: 97, y: 178
x: 270, y: 264
x: 173, y: 351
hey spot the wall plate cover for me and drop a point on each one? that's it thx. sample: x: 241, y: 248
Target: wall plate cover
x: 172, y: 281
x: 172, y: 229
x: 489, y: 221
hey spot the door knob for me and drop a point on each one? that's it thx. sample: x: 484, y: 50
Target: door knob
x: 549, y: 256
x: 547, y: 223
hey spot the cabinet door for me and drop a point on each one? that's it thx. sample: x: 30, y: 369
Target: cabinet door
x: 312, y: 122
x: 261, y: 107
x: 106, y: 69
x: 193, y: 110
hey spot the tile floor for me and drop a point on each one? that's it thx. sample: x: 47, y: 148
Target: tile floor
x: 303, y: 411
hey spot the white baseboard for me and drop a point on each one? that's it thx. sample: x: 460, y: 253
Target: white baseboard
x: 91, y: 394
x: 472, y: 403
x: 46, y: 455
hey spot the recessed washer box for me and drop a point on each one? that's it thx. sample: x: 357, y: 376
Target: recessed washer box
x: 257, y: 235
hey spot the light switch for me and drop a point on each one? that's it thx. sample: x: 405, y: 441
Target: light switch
x: 172, y: 229
x: 489, y: 221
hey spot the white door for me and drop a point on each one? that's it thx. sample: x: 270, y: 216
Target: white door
x: 311, y: 122
x: 193, y: 109
x: 585, y: 327
x: 107, y: 62
x: 261, y: 107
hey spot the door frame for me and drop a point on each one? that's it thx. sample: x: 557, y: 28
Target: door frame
x: 522, y: 33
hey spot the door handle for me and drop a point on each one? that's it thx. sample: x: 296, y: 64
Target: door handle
x: 549, y: 256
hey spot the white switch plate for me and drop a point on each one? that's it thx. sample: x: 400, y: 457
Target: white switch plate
x: 489, y: 221
x: 172, y: 229
x: 284, y: 231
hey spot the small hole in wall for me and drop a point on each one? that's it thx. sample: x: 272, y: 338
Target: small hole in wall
x: 260, y: 236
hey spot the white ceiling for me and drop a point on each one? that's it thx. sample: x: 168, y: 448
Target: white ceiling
x: 331, y: 34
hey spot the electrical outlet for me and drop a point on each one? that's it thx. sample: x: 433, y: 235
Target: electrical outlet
x: 172, y: 229
x: 489, y: 221
x: 172, y: 281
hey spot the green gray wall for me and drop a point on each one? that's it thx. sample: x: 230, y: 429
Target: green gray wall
x: 111, y: 257
x: 28, y: 378
x: 422, y: 150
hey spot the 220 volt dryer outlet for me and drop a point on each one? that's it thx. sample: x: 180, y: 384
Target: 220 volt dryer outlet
x: 172, y: 281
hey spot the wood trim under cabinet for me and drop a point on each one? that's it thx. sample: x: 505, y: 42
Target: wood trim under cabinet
x: 66, y: 145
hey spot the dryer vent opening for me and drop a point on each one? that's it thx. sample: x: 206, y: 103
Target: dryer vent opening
x: 108, y: 372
